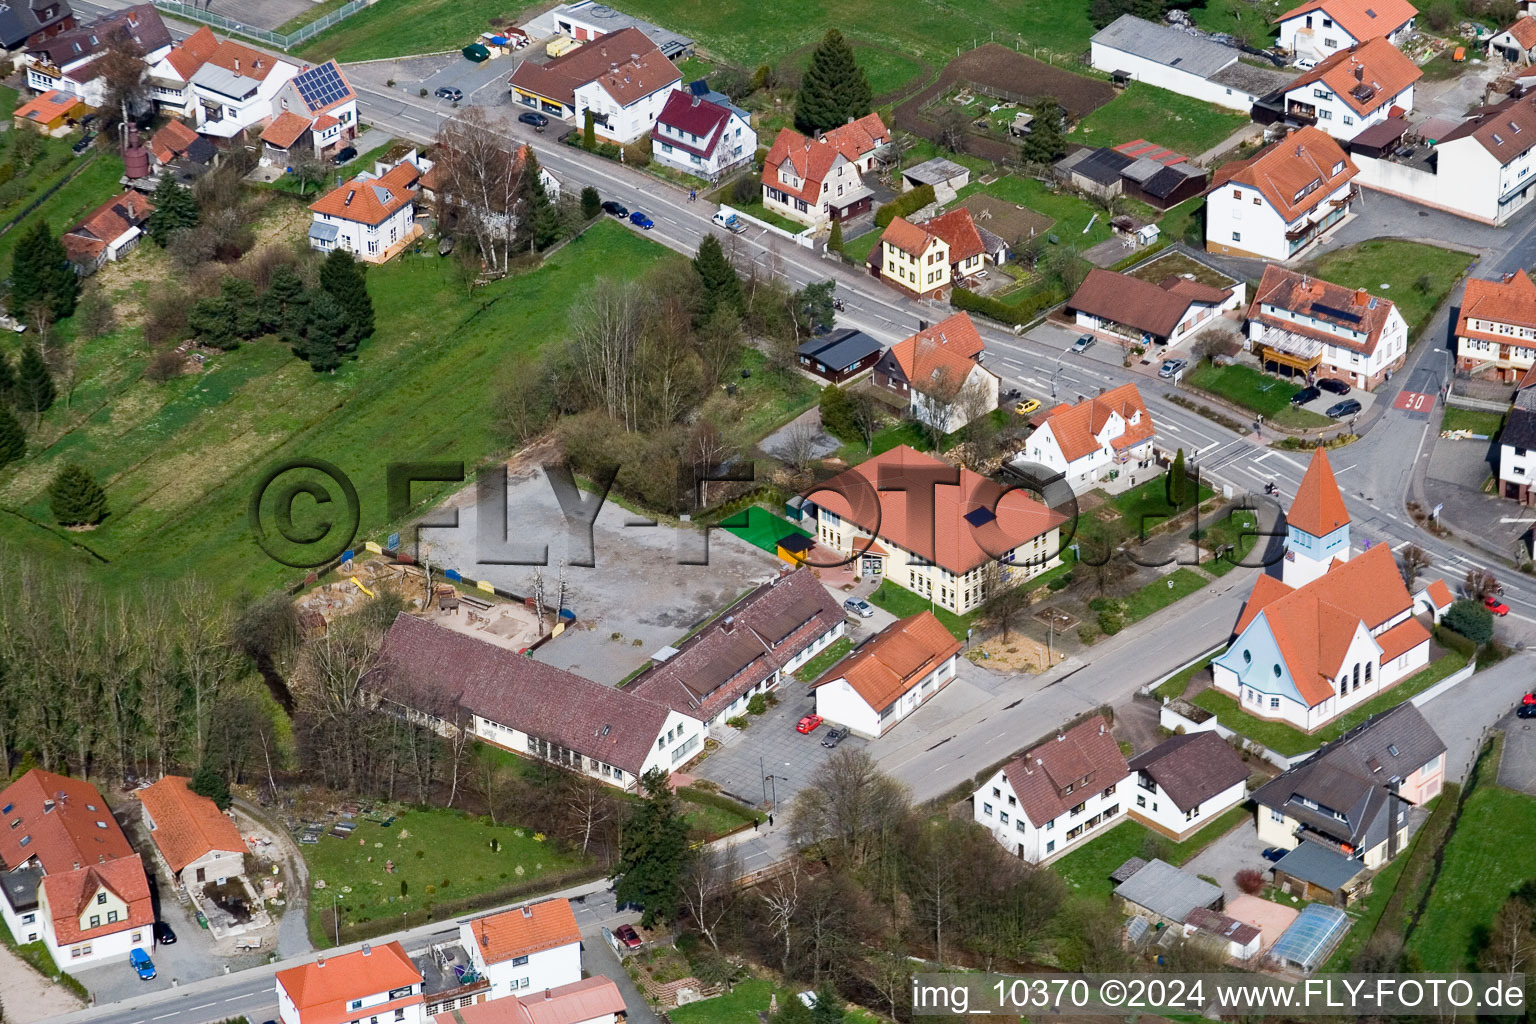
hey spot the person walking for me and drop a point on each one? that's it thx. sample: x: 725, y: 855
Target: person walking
x: 754, y: 824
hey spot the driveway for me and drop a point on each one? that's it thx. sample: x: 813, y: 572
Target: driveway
x: 1224, y: 858
x: 1463, y: 715
x: 1517, y: 770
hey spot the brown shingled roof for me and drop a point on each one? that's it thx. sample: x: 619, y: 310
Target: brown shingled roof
x: 1192, y: 768
x: 1505, y: 129
x: 626, y: 63
x: 1084, y: 757
x: 1157, y: 309
x: 1322, y: 300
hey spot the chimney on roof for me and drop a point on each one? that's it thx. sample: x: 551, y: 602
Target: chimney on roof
x: 1060, y: 736
x: 729, y: 624
x: 1101, y: 727
x: 527, y: 911
x: 922, y: 325
x: 1359, y: 72
x: 367, y: 950
x: 1361, y: 296
x: 695, y: 101
x: 1508, y: 278
x: 485, y: 941
x: 546, y: 994
x: 237, y: 65
x: 320, y: 961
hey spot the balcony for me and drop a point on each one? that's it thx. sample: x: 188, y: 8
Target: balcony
x: 1302, y: 113
x: 1347, y: 198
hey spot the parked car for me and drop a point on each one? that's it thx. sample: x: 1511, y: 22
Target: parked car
x: 84, y: 144
x: 1529, y: 698
x: 808, y: 724
x: 616, y: 209
x: 1083, y: 344
x: 163, y: 934
x: 1305, y: 395
x: 641, y: 219
x: 1348, y: 407
x: 142, y: 964
x: 346, y: 154
x: 448, y: 92
x: 1526, y: 711
x: 537, y: 120
x: 1332, y: 386
x: 626, y: 934
x: 1496, y: 606
x: 732, y: 223
x: 860, y: 607
x: 1027, y: 406
x: 1274, y: 853
x: 833, y: 737
x: 1171, y: 367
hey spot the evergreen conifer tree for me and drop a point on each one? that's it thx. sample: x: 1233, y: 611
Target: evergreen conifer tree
x: 213, y: 320
x: 538, y: 220
x: 76, y: 498
x: 341, y: 277
x: 834, y: 88
x: 7, y: 381
x: 722, y: 285
x: 325, y: 332
x: 41, y: 274
x: 174, y: 209
x: 34, y: 385
x: 13, y: 440
x: 284, y: 292
x: 1047, y: 141
x: 653, y: 851
x: 835, y: 239
x: 591, y: 203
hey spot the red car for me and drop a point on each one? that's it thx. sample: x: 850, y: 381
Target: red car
x: 808, y: 724
x: 1496, y: 606
x: 627, y: 935
x: 1528, y: 699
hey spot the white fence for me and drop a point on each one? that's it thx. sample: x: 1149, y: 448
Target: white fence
x: 805, y: 239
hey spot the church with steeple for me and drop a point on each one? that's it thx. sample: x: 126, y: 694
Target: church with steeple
x: 1335, y: 629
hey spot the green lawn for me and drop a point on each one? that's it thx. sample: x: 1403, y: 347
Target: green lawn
x: 1239, y: 18
x: 1244, y: 386
x: 761, y: 212
x: 1415, y: 276
x: 836, y: 651
x: 1475, y: 420
x: 1283, y: 739
x: 708, y: 819
x: 1144, y: 111
x: 886, y: 70
x: 858, y: 249
x: 1235, y: 528
x: 1481, y: 867
x: 768, y: 398
x: 760, y: 528
x: 180, y: 459
x: 1070, y: 213
x: 1177, y: 683
x: 1087, y: 868
x: 1177, y: 222
x: 740, y: 1005
x: 394, y: 28
x: 901, y: 602
x: 95, y: 184
x: 438, y: 854
x: 315, y: 13
x: 1161, y: 593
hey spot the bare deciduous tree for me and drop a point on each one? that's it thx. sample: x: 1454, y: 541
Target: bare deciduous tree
x: 1413, y: 561
x: 784, y: 895
x: 709, y: 890
x: 851, y: 809
x: 480, y: 182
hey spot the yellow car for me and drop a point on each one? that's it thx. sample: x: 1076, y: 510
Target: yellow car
x: 1027, y: 406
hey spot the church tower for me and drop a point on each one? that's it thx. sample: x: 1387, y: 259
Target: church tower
x: 1317, y: 526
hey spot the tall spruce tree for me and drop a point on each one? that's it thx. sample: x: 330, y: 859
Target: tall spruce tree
x: 284, y: 296
x: 722, y: 285
x: 7, y: 381
x: 538, y: 221
x: 34, y: 384
x: 174, y: 209
x: 42, y: 276
x: 653, y: 852
x: 1046, y: 141
x: 13, y: 440
x: 341, y: 277
x: 325, y: 332
x: 76, y: 498
x: 834, y: 88
x: 214, y: 321
x: 591, y: 203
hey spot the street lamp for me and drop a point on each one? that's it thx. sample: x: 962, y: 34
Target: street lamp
x: 774, y: 787
x: 336, y: 913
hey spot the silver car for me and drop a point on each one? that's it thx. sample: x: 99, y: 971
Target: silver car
x: 1083, y: 344
x: 860, y: 607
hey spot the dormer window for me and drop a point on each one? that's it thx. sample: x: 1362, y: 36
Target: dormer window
x: 1338, y: 168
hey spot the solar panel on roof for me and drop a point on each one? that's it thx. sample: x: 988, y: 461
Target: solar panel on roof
x: 1333, y: 311
x: 980, y: 516
x: 320, y: 87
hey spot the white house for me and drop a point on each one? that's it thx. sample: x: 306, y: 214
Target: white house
x: 1053, y: 797
x: 371, y: 217
x: 70, y: 61
x: 1302, y: 324
x: 170, y: 78
x: 752, y: 647
x: 107, y: 233
x: 1339, y: 629
x: 621, y: 77
x: 1318, y: 29
x: 1104, y: 440
x: 1281, y: 202
x: 1181, y: 62
x: 1517, y: 444
x: 945, y: 556
x: 1354, y: 89
x: 70, y: 879
x: 1516, y: 44
x: 1133, y: 311
x: 1185, y: 782
x: 890, y: 676
x: 197, y: 840
x: 701, y: 137
x: 816, y: 180
x: 315, y: 109
x: 533, y: 947
x: 373, y: 985
x: 1481, y: 169
x: 452, y: 681
x: 234, y: 88
x: 938, y: 372
x: 1496, y: 329
x: 594, y: 1000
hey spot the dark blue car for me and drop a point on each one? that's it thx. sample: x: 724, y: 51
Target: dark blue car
x: 641, y: 219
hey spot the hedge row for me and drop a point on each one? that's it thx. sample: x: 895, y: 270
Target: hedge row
x: 907, y: 202
x: 694, y: 795
x: 1452, y: 640
x: 1143, y: 254
x: 1008, y: 313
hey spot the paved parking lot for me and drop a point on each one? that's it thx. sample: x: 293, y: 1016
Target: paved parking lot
x: 635, y: 598
x: 1224, y: 858
x: 1517, y: 770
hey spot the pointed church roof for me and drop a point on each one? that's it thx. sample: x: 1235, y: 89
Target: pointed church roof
x: 1319, y: 507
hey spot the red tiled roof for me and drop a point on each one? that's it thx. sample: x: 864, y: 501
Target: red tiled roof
x: 285, y: 129
x: 698, y: 117
x: 1523, y: 31
x: 242, y: 59
x: 868, y: 497
x: 1506, y: 302
x: 187, y: 826
x: 51, y: 104
x: 1440, y: 594
x: 1319, y: 507
x: 1265, y: 589
x: 193, y: 52
x: 1285, y: 171
x: 325, y: 121
x: 1157, y: 309
x: 1076, y: 427
x: 103, y: 225
x: 1366, y: 76
x: 71, y: 892
x: 1363, y: 19
x: 1318, y: 299
x: 942, y: 356
x: 813, y: 159
x: 534, y: 928
x: 895, y: 660
x: 1040, y: 776
x: 321, y: 990
x: 371, y: 200
x: 910, y: 238
x: 172, y: 141
x: 858, y: 139
x: 1138, y: 149
x: 65, y: 822
x: 635, y: 77
x: 768, y: 627
x: 588, y: 999
x: 958, y: 230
